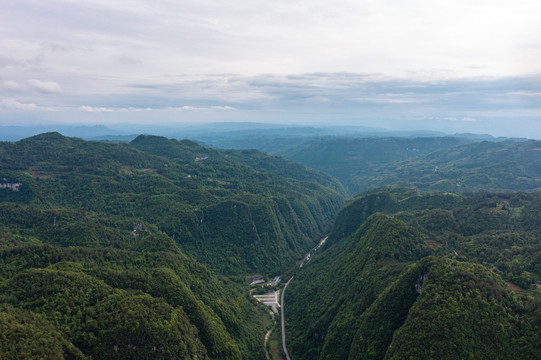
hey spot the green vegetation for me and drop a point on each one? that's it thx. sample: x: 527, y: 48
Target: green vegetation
x: 142, y: 250
x: 216, y: 205
x: 109, y: 302
x: 407, y: 274
x: 354, y: 161
x: 445, y: 163
x: 97, y: 246
x: 501, y: 166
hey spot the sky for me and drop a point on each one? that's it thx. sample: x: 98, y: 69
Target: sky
x: 447, y: 65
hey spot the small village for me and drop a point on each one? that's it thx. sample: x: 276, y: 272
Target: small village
x: 272, y: 298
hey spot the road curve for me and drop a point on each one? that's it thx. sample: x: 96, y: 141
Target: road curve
x: 283, y: 321
x: 282, y: 305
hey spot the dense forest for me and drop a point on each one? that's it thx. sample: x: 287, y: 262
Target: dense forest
x: 408, y: 274
x: 141, y: 250
x: 354, y: 161
x: 446, y: 164
x: 144, y: 249
x: 452, y: 163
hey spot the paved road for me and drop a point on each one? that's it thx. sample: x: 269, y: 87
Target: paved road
x: 283, y: 321
x: 304, y: 261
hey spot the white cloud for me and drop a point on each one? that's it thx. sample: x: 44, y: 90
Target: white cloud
x: 463, y: 119
x: 392, y: 99
x: 200, y: 108
x: 222, y: 108
x: 182, y: 108
x: 93, y: 109
x: 134, y: 109
x: 12, y: 104
x: 45, y: 87
x: 400, y: 38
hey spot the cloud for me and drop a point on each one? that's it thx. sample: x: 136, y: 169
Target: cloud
x: 222, y: 108
x: 45, y: 87
x: 7, y: 61
x: 182, y: 108
x: 93, y: 109
x: 392, y: 99
x: 12, y: 104
x: 56, y: 46
x: 128, y: 60
x: 11, y: 85
x: 464, y: 119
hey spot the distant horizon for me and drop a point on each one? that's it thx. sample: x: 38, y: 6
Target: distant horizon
x: 198, y: 130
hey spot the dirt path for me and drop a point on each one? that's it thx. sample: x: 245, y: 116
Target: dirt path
x: 267, y: 339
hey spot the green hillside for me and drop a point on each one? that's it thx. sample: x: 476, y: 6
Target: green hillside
x: 354, y: 160
x: 445, y: 164
x: 111, y: 249
x: 501, y: 166
x: 417, y: 275
x: 229, y: 215
x: 107, y: 292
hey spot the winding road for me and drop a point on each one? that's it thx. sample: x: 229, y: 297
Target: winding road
x: 283, y: 321
x: 282, y: 304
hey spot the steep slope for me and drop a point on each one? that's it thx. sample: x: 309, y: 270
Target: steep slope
x: 268, y: 210
x: 115, y: 294
x: 245, y: 220
x: 94, y: 236
x: 406, y: 274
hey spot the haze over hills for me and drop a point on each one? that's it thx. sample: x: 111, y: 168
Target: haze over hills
x: 223, y: 135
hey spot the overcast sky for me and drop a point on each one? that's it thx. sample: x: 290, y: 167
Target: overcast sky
x: 451, y: 65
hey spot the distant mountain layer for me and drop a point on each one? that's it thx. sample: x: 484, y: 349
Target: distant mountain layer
x: 410, y: 275
x: 501, y: 166
x: 447, y: 164
x: 105, y: 249
x: 354, y: 161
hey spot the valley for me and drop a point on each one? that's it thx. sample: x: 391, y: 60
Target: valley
x: 69, y: 239
x: 285, y: 180
x: 143, y: 249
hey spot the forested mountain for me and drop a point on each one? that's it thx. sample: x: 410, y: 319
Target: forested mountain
x: 215, y: 204
x: 447, y: 164
x: 94, y: 236
x: 407, y: 274
x: 140, y: 249
x: 354, y: 161
x: 483, y: 166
